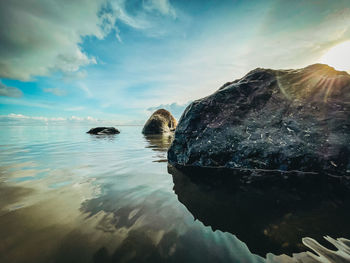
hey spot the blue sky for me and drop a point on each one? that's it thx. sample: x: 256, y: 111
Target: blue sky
x: 118, y: 60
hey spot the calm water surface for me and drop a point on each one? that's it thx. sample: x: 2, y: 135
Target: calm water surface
x: 67, y: 196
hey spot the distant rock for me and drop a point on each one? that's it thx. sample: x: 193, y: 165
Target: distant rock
x: 160, y: 122
x: 103, y: 131
x: 271, y: 120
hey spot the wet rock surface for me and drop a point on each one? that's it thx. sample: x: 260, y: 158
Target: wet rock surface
x: 271, y: 120
x: 270, y: 212
x: 103, y: 131
x: 160, y: 122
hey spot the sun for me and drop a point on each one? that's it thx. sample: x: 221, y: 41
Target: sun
x: 338, y: 57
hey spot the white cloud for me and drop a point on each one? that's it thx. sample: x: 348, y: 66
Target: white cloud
x: 121, y: 14
x: 24, y: 117
x: 85, y: 88
x: 35, y: 119
x: 39, y: 37
x: 21, y: 119
x: 303, y: 45
x: 162, y: 6
x: 55, y: 91
x: 10, y: 91
x: 77, y: 75
x: 88, y: 118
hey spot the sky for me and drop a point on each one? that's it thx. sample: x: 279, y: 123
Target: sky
x: 119, y: 60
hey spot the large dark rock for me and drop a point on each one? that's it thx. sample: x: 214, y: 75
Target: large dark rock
x: 103, y: 131
x: 270, y: 119
x: 161, y: 121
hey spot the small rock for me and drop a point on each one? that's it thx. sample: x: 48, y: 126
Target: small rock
x: 103, y: 131
x: 161, y: 121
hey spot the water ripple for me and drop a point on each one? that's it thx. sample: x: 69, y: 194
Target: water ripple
x: 67, y: 196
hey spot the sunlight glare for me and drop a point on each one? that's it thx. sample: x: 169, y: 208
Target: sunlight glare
x: 338, y: 57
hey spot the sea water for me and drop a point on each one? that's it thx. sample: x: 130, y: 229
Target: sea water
x: 68, y: 196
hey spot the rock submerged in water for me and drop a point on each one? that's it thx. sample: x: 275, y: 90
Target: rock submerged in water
x: 103, y: 131
x: 160, y: 122
x: 272, y: 120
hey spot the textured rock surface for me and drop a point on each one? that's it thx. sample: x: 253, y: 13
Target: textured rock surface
x: 103, y: 130
x: 270, y: 119
x: 161, y: 121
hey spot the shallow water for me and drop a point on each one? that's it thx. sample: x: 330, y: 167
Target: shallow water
x: 67, y: 196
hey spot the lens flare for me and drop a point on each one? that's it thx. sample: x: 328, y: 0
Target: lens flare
x: 338, y: 57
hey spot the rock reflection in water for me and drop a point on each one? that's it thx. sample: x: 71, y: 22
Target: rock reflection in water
x: 107, y: 137
x: 270, y: 212
x: 159, y: 143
